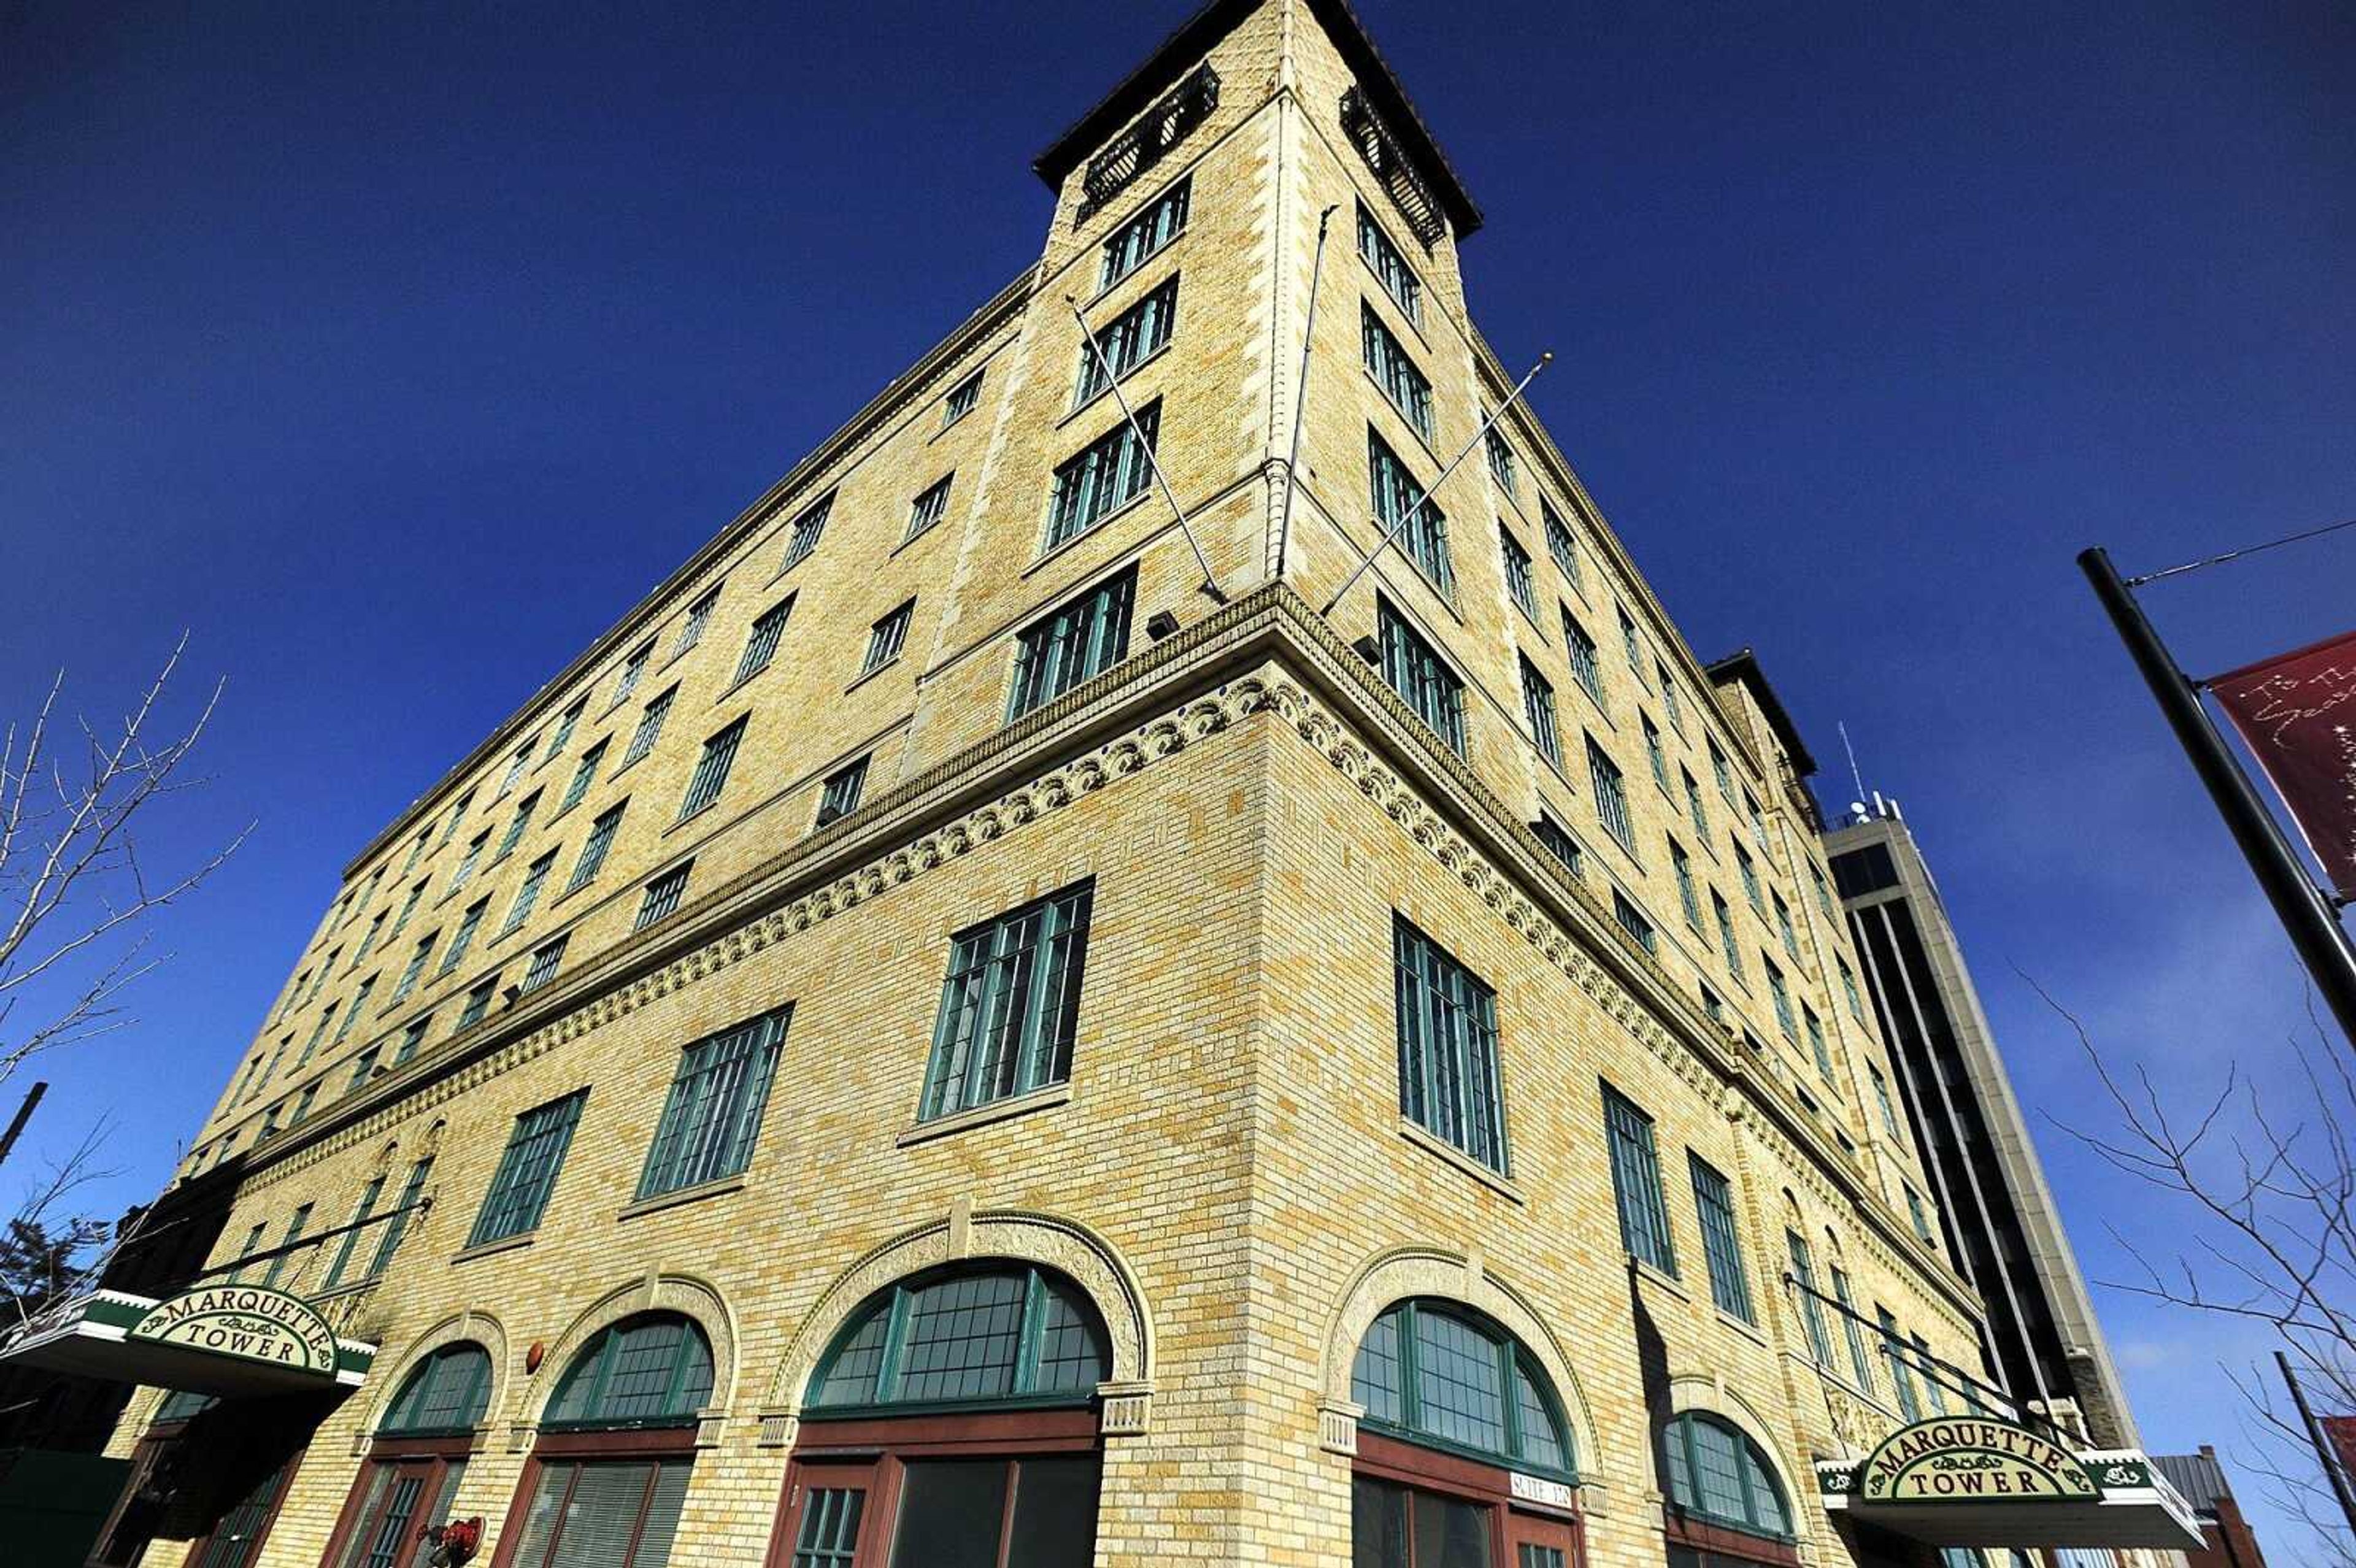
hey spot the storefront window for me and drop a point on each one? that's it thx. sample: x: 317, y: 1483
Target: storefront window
x: 416, y: 1462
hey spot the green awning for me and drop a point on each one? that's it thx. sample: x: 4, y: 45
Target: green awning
x: 224, y: 1340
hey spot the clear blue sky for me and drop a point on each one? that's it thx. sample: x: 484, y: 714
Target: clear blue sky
x: 396, y: 349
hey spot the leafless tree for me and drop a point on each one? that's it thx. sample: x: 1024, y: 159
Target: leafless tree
x: 2267, y: 1183
x: 50, y: 1255
x: 75, y: 893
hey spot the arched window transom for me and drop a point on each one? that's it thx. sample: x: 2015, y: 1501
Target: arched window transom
x: 1439, y: 1374
x: 1006, y: 1336
x: 448, y: 1392
x: 1715, y: 1471
x: 653, y: 1370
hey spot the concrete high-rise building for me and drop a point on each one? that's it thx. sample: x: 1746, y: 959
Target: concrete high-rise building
x: 1023, y: 1008
x: 1998, y: 1215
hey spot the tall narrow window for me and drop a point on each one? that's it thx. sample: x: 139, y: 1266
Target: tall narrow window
x: 1072, y: 644
x: 1630, y: 646
x: 517, y: 763
x: 516, y: 825
x: 1107, y: 474
x: 1517, y: 575
x: 761, y: 643
x: 1636, y: 1183
x: 1881, y: 1098
x: 478, y: 1001
x: 1501, y: 468
x: 1387, y: 362
x: 963, y: 398
x: 1402, y: 510
x: 807, y: 529
x: 1820, y: 1047
x: 1583, y: 665
x: 1390, y: 266
x: 585, y: 773
x: 713, y: 1111
x: 535, y: 876
x: 1537, y: 706
x: 1696, y: 812
x: 1634, y: 921
x: 469, y: 924
x: 1449, y: 1079
x: 1727, y: 941
x: 1718, y: 764
x: 1901, y: 1375
x: 926, y: 510
x: 662, y: 896
x: 1721, y: 1246
x: 594, y: 848
x: 1654, y: 758
x: 252, y: 1242
x: 416, y: 967
x: 1783, y: 924
x: 1812, y: 1310
x: 396, y: 1222
x: 412, y: 1037
x: 888, y: 637
x: 650, y: 726
x: 1823, y: 890
x: 528, y: 1170
x: 1422, y: 677
x: 368, y: 939
x: 691, y: 632
x: 1610, y: 795
x: 472, y: 858
x: 1010, y: 1007
x: 352, y: 1011
x: 417, y: 849
x: 361, y: 1212
x: 839, y: 796
x: 1933, y: 1384
x: 1561, y: 544
x: 1688, y: 897
x: 457, y: 816
x: 712, y: 770
x: 1859, y: 1362
x: 1669, y: 698
x: 1750, y: 889
x: 1782, y: 995
x: 295, y: 1227
x: 633, y: 670
x: 1128, y: 340
x: 409, y: 907
x: 1916, y: 1213
x: 1142, y: 237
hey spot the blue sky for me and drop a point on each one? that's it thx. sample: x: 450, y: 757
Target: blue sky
x: 394, y: 355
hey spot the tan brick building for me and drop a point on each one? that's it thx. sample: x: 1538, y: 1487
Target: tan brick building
x: 944, y: 1038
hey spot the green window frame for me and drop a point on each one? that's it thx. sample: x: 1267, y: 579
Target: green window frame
x: 352, y: 1011
x: 1414, y: 669
x: 711, y: 767
x: 542, y: 967
x: 1933, y: 1384
x: 1812, y: 1310
x: 761, y: 640
x: 1881, y: 1098
x: 925, y: 512
x: 1403, y: 508
x: 516, y: 825
x: 1071, y: 643
x: 1611, y: 788
x: 1142, y: 239
x: 1127, y: 341
x: 1850, y: 990
x: 963, y: 398
x: 1408, y: 388
x: 633, y: 670
x: 1502, y: 466
x: 1688, y: 897
x: 1584, y: 666
x: 1696, y: 811
x: 295, y: 1227
x: 1103, y: 477
x: 593, y: 848
x: 478, y: 1001
x: 662, y: 896
x: 1727, y: 942
x: 990, y: 1335
x: 1636, y: 1183
x: 1713, y: 1470
x: 712, y: 1118
x: 1010, y: 1005
x: 1670, y: 700
x: 448, y: 1394
x: 412, y: 1037
x: 1518, y: 582
x: 528, y: 1170
x: 517, y: 763
x: 1561, y: 544
x: 396, y: 1224
x: 1782, y: 996
x: 1390, y: 266
x: 808, y: 529
x: 1450, y: 1081
x: 1635, y: 921
x: 1721, y: 1242
x: 585, y: 773
x: 651, y: 1371
x: 362, y: 1065
x: 1560, y: 843
x: 469, y: 861
x: 1915, y: 1213
x: 457, y: 816
x: 527, y: 897
x: 650, y: 725
x: 887, y: 636
x: 1537, y: 706
x: 1629, y: 645
x: 361, y: 1212
x: 1784, y: 928
x: 839, y: 795
x: 691, y: 632
x: 1859, y: 1362
x: 1655, y: 757
x: 569, y: 720
x: 1750, y: 889
x: 1441, y: 1375
x: 1901, y: 1375
x: 410, y: 974
x: 1718, y: 765
x: 1820, y: 1047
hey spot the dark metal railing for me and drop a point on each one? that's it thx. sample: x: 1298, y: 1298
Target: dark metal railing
x: 1383, y: 154
x: 1149, y: 139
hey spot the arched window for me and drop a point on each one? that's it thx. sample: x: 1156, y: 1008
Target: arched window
x: 609, y: 1473
x: 972, y: 1386
x: 996, y: 1336
x: 418, y: 1459
x: 1463, y: 1455
x: 1713, y: 1471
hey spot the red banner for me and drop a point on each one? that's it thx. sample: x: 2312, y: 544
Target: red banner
x: 2342, y: 1430
x: 2297, y: 712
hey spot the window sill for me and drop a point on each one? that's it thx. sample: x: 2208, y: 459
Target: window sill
x: 865, y: 676
x: 1046, y: 1099
x: 1055, y: 552
x: 1453, y: 1156
x: 628, y: 762
x: 918, y: 537
x: 1106, y: 291
x: 1656, y: 1279
x: 789, y: 569
x: 1406, y: 420
x: 1105, y: 391
x: 1414, y: 318
x: 663, y: 1200
x: 492, y: 1249
x: 576, y: 888
x: 697, y: 814
x: 342, y: 1291
x: 950, y: 425
x: 740, y: 683
x: 1750, y: 1331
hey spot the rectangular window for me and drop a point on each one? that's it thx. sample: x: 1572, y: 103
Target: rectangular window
x: 1583, y: 665
x: 412, y: 1037
x: 517, y: 763
x: 1142, y: 237
x: 712, y: 770
x: 1688, y: 896
x: 1448, y: 1077
x: 522, y: 820
x: 1933, y: 1384
x: 807, y: 529
x: 252, y: 1239
x: 1823, y: 890
x: 1915, y: 1213
x: 353, y: 1013
x: 1010, y: 1007
x: 417, y: 849
x: 713, y: 1111
x: 1782, y: 997
x: 1725, y: 775
x: 1750, y: 889
x: 1560, y: 843
x: 1127, y: 341
x: 368, y: 939
x: 1610, y: 795
x: 633, y: 670
x: 467, y: 863
x: 303, y: 1103
x: 650, y: 726
x: 1713, y: 1004
x: 1502, y: 466
x: 1757, y: 822
x: 294, y: 1229
x: 761, y: 642
x: 1102, y: 476
x: 1881, y: 1098
x: 1629, y: 644
x: 478, y: 1002
x: 1072, y: 644
x: 1901, y: 1376
x: 691, y: 632
x: 1537, y: 706
x: 1727, y: 943
x: 545, y: 958
x: 1422, y: 677
x: 1561, y: 543
x: 1636, y: 1183
x: 1812, y: 1311
x: 363, y: 1065
x: 416, y: 967
x: 396, y: 1223
x: 963, y: 398
x: 584, y: 775
x: 1408, y: 389
x: 1783, y: 924
x: 839, y: 796
x: 469, y: 924
x: 409, y: 907
x: 366, y: 1206
x: 1390, y: 267
x: 1634, y: 921
x: 662, y: 896
x: 1669, y: 698
x: 1695, y: 811
x: 528, y: 1170
x: 1721, y: 1247
x: 1859, y: 1362
x: 1655, y: 757
x: 527, y: 893
x: 1402, y: 510
x: 926, y: 510
x: 594, y: 846
x: 1820, y: 1047
x: 888, y: 637
x: 457, y: 815
x: 1517, y: 575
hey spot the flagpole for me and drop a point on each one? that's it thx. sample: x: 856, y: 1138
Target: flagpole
x: 2315, y: 929
x: 1412, y: 512
x: 2323, y: 1453
x: 1301, y: 390
x: 1104, y: 368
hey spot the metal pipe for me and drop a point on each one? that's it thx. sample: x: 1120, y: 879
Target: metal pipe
x: 1301, y: 390
x: 2323, y: 1454
x: 1096, y: 349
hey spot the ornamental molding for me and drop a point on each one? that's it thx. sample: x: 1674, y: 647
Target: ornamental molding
x: 651, y: 1292
x: 1710, y: 1393
x: 458, y: 1328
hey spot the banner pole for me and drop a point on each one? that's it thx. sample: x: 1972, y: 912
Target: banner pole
x: 2314, y: 929
x: 2323, y: 1454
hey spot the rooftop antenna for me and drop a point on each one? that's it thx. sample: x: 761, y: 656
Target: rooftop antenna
x: 1855, y: 777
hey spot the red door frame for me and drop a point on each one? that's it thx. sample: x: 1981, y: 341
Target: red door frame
x: 657, y: 1443
x: 1512, y: 1521
x: 293, y: 1463
x: 1738, y: 1544
x: 438, y: 1451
